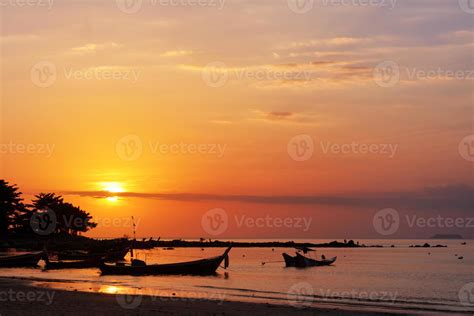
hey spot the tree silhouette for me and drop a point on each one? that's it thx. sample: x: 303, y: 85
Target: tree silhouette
x: 10, y: 204
x: 15, y: 216
x: 70, y: 219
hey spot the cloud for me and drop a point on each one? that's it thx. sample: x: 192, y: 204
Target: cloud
x: 284, y: 117
x: 279, y: 115
x: 328, y: 42
x: 221, y: 122
x: 449, y: 197
x: 177, y: 53
x: 93, y: 47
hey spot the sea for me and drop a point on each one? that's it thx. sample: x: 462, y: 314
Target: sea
x: 399, y: 278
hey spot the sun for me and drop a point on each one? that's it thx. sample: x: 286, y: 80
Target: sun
x: 112, y: 187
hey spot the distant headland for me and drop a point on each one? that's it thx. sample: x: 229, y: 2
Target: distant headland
x: 447, y: 236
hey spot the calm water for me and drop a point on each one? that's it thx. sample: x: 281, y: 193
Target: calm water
x: 401, y: 277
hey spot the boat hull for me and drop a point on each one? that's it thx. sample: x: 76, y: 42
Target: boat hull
x: 107, y: 256
x: 74, y: 264
x: 198, y: 267
x: 19, y: 261
x: 300, y: 261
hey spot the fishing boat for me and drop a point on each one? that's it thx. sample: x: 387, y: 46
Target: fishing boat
x: 113, y: 255
x: 138, y: 267
x: 21, y: 260
x: 300, y: 261
x: 71, y: 264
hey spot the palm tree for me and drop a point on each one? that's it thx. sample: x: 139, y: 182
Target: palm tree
x: 70, y: 219
x: 10, y: 203
x: 47, y: 201
x: 75, y: 220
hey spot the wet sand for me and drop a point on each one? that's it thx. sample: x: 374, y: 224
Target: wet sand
x: 18, y: 297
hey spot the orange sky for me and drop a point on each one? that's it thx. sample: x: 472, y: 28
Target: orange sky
x: 145, y: 79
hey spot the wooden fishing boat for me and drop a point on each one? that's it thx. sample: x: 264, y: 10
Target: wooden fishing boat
x: 300, y: 261
x: 21, y: 260
x: 113, y: 255
x: 72, y: 264
x: 138, y: 267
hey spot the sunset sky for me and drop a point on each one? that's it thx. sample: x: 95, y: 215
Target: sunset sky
x: 178, y: 110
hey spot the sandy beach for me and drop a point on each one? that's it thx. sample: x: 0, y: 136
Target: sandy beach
x: 19, y: 298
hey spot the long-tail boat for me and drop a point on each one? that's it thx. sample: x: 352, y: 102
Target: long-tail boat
x: 300, y: 261
x: 138, y: 267
x: 21, y: 260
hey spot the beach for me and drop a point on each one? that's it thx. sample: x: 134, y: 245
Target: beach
x: 372, y: 280
x: 18, y: 297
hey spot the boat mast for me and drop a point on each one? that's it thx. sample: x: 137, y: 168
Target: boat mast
x: 134, y: 238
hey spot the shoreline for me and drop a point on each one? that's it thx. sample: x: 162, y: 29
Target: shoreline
x: 52, y: 301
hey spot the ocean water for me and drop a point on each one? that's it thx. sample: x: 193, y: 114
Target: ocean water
x: 400, y: 278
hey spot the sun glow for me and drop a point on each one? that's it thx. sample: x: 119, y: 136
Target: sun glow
x: 109, y: 290
x: 112, y: 187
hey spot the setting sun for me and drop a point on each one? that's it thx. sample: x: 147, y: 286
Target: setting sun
x: 112, y: 187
